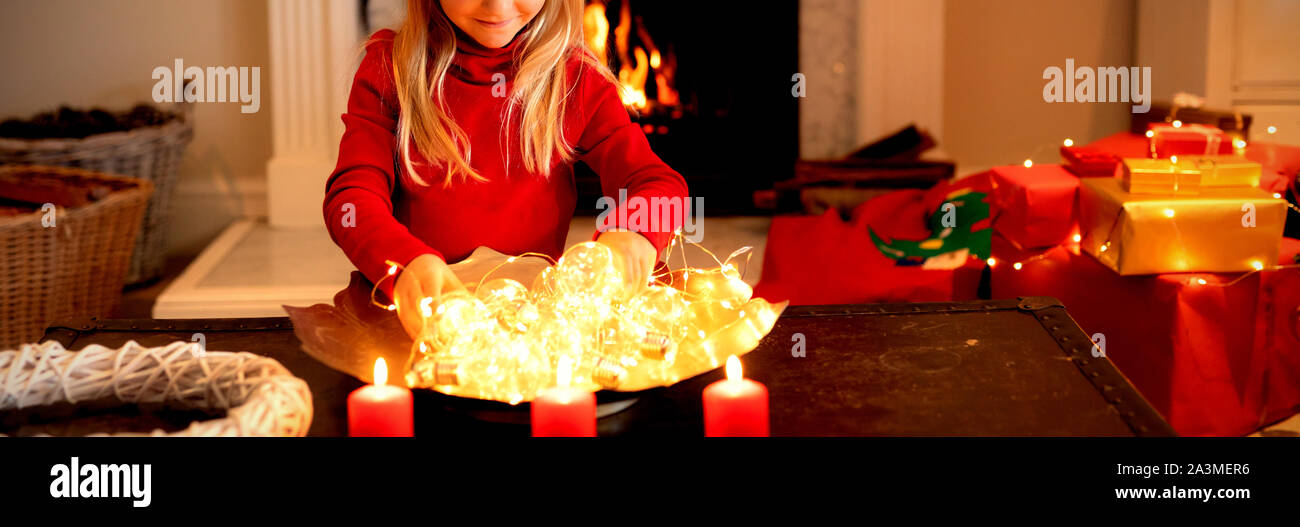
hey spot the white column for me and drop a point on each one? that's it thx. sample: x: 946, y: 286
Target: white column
x: 314, y: 50
x: 900, y: 67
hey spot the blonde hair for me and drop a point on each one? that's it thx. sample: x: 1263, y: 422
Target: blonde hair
x: 423, y: 49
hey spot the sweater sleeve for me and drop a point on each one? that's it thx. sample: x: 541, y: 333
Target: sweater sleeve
x: 617, y: 150
x: 358, y: 205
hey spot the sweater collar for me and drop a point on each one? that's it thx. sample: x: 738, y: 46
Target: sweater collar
x: 476, y: 63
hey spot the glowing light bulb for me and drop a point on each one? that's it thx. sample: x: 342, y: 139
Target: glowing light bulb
x: 591, y: 269
x: 1151, y: 133
x: 1258, y: 265
x: 1177, y: 124
x: 1200, y: 281
x: 1169, y: 213
x: 505, y: 372
x: 1068, y: 142
x: 543, y: 284
x: 1173, y: 160
x: 1277, y: 195
x: 1029, y: 163
x: 993, y: 262
x: 461, y: 322
x: 1238, y: 143
x: 509, y: 303
x: 1017, y: 266
x: 659, y: 318
x: 1272, y: 129
x: 1077, y: 238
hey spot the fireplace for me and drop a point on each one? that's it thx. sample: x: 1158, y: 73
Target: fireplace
x: 712, y: 86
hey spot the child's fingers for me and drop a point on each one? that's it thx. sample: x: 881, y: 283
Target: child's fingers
x: 408, y: 311
x: 452, y: 283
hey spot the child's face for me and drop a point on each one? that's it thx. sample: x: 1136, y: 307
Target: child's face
x: 493, y: 23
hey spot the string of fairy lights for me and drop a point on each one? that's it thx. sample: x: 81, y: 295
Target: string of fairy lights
x: 1239, y: 147
x: 505, y: 341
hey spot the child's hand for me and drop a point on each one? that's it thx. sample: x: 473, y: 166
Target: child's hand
x: 636, y: 252
x: 426, y: 276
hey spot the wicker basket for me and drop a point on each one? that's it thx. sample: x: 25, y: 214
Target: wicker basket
x: 151, y: 153
x: 74, y: 268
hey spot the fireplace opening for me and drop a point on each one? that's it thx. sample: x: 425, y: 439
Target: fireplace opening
x: 711, y: 84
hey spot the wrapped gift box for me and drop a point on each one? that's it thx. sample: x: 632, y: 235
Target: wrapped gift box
x: 1188, y: 174
x: 1137, y: 234
x: 1226, y: 171
x: 1161, y: 112
x: 1086, y: 161
x: 1189, y: 139
x: 1179, y: 177
x: 1217, y: 354
x: 1036, y: 204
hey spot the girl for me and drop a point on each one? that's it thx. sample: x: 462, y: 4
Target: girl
x: 461, y: 131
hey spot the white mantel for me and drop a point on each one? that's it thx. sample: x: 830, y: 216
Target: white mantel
x: 315, y: 47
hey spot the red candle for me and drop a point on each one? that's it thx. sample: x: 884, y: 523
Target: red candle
x: 563, y: 411
x: 736, y: 406
x: 380, y: 410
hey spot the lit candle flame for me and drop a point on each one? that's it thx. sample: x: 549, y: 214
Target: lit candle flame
x: 734, y: 372
x: 564, y: 372
x: 381, y: 372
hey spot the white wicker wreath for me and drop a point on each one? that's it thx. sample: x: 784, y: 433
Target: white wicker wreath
x: 260, y: 396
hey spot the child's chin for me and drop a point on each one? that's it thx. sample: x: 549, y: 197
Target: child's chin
x: 493, y: 40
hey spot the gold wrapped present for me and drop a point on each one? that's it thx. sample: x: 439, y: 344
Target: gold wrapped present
x: 1226, y: 229
x: 1161, y: 176
x: 1226, y: 171
x: 1186, y: 176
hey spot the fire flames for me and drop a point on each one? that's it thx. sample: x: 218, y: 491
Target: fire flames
x: 635, y: 64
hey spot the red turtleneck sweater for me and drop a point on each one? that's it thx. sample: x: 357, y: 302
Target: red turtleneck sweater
x: 514, y: 211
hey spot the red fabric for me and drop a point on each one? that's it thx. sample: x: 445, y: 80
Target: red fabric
x: 514, y: 211
x: 1036, y: 204
x: 813, y: 260
x: 1213, y: 360
x: 1086, y: 161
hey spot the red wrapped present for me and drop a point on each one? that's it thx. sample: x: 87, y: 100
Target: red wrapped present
x: 1036, y: 205
x: 1217, y: 354
x: 1167, y: 140
x: 1087, y: 161
x: 905, y: 246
